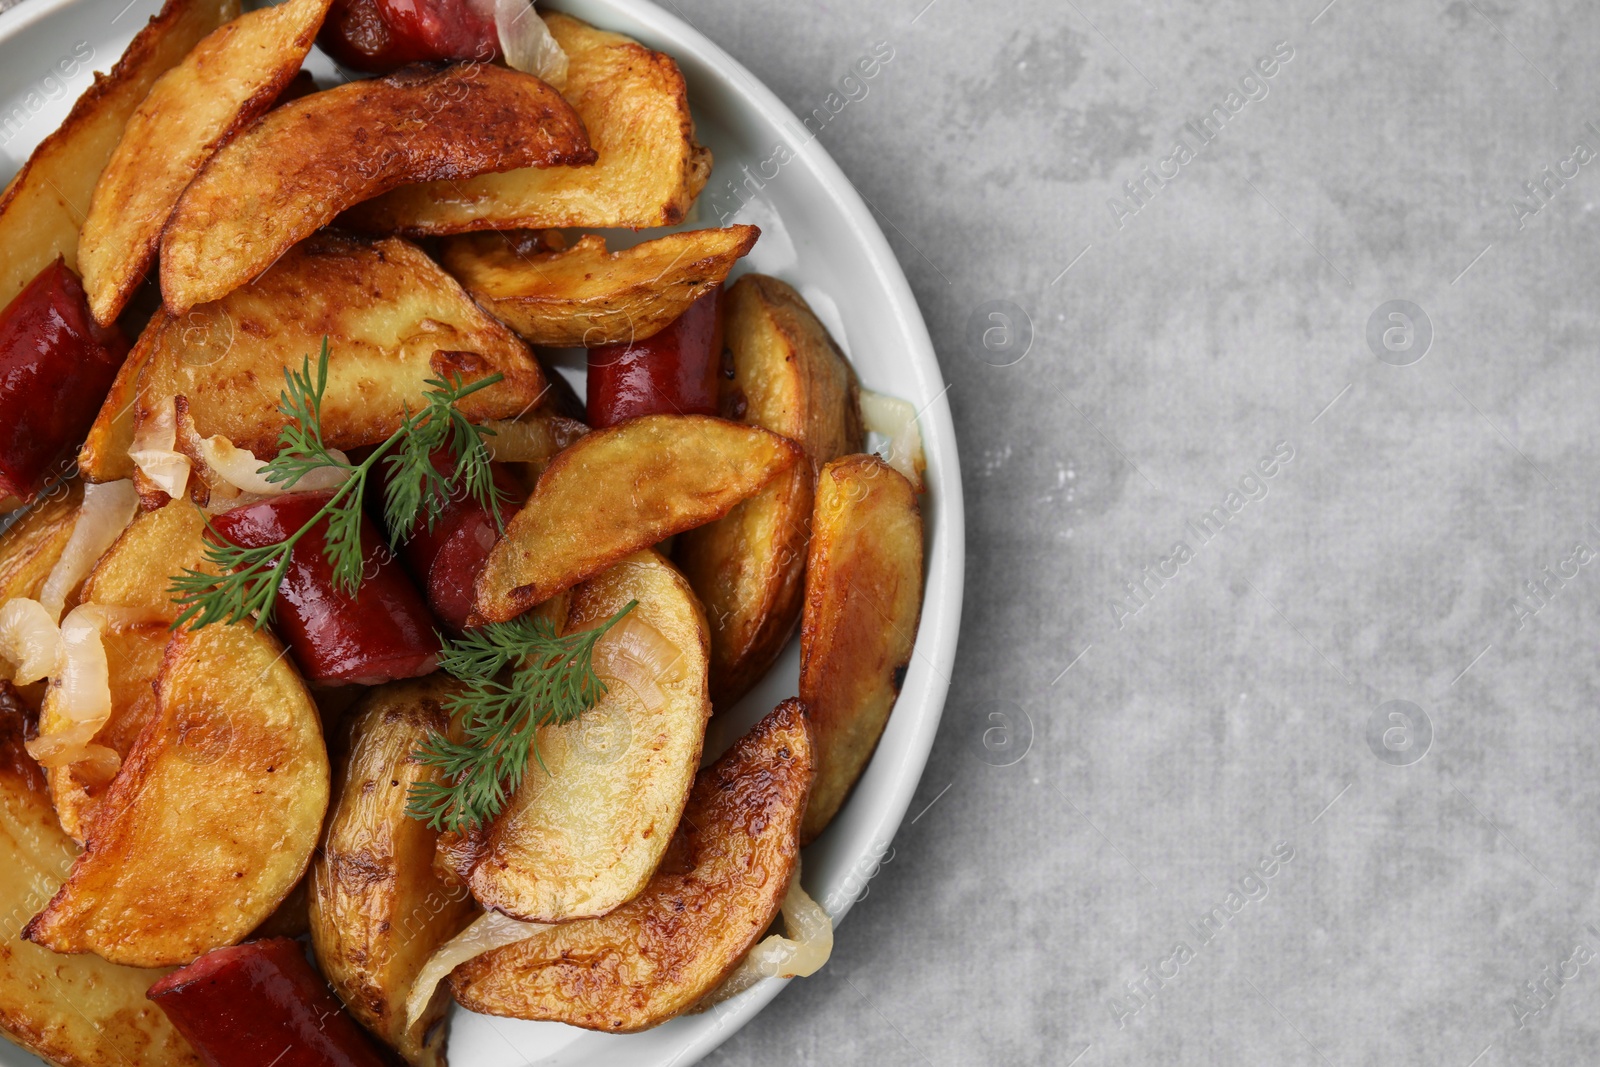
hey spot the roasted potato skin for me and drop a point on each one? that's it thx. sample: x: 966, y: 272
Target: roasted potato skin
x: 621, y: 489
x: 29, y: 550
x: 584, y: 295
x: 305, y: 162
x: 635, y: 106
x: 783, y: 373
x: 104, y: 455
x: 221, y: 86
x: 213, y: 817
x: 136, y: 570
x: 585, y: 831
x: 79, y: 1011
x: 863, y: 600
x: 378, y: 910
x: 42, y: 206
x: 717, y: 890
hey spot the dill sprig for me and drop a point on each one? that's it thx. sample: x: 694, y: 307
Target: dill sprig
x: 519, y: 676
x: 246, y: 580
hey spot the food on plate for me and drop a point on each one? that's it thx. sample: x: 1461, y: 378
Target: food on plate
x: 219, y: 88
x: 378, y: 910
x: 395, y: 320
x: 863, y: 599
x: 303, y: 163
x: 583, y: 295
x: 104, y: 456
x: 382, y: 632
x: 43, y: 206
x: 799, y: 952
x: 894, y: 417
x: 261, y: 1003
x: 133, y: 572
x: 76, y: 1010
x: 378, y: 36
x: 213, y: 816
x: 672, y: 372
x: 649, y: 170
x: 618, y: 490
x: 55, y: 365
x: 526, y: 446
x: 785, y: 374
x: 588, y: 826
x: 31, y: 546
x: 719, y: 886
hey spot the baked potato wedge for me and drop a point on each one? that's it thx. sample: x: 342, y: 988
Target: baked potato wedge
x: 716, y: 892
x: 303, y: 163
x: 104, y: 455
x: 378, y: 910
x: 748, y: 567
x: 213, y: 817
x: 136, y: 570
x: 583, y: 834
x: 584, y: 295
x: 393, y: 320
x: 79, y: 1011
x: 650, y: 168
x: 29, y: 550
x: 43, y: 206
x: 621, y: 489
x: 221, y: 86
x: 863, y: 600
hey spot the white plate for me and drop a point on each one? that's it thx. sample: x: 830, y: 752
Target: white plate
x: 818, y: 236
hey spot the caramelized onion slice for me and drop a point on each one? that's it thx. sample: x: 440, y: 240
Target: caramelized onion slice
x: 29, y: 638
x: 527, y: 44
x: 799, y: 955
x: 896, y: 419
x: 106, y: 511
x: 489, y: 931
x: 155, y: 451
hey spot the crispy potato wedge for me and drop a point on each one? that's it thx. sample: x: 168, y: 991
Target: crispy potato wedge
x: 43, y: 206
x: 584, y: 838
x: 393, y: 320
x: 748, y: 566
x: 584, y: 295
x: 29, y: 550
x: 863, y: 599
x: 378, y: 911
x: 133, y: 658
x: 303, y: 163
x: 139, y: 565
x: 621, y: 489
x: 221, y: 87
x: 79, y: 1011
x: 213, y: 817
x: 104, y: 455
x: 634, y: 105
x: 716, y: 892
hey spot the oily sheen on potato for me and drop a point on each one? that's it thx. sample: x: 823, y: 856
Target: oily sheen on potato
x: 634, y: 104
x: 213, y: 817
x: 42, y: 207
x: 305, y: 162
x: 863, y: 599
x: 104, y: 454
x: 221, y: 86
x: 136, y: 570
x: 393, y: 321
x: 621, y: 489
x: 718, y: 888
x: 76, y: 1010
x: 584, y: 295
x: 584, y: 831
x: 789, y: 377
x: 378, y: 910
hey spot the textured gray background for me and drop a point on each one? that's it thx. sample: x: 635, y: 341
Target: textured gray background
x: 1232, y: 713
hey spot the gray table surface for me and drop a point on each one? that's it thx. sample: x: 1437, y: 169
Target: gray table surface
x: 1443, y: 851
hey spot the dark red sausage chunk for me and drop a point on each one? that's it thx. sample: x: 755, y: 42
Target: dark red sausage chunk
x: 673, y: 372
x: 446, y: 559
x: 379, y: 36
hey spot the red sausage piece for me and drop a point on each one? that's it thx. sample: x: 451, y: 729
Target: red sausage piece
x: 261, y: 1005
x: 673, y: 372
x: 56, y: 366
x: 379, y: 36
x: 382, y: 633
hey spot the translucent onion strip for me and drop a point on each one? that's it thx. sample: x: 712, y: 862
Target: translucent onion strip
x: 526, y: 43
x: 105, y: 513
x: 29, y: 638
x: 638, y: 655
x: 799, y: 955
x: 896, y: 419
x: 242, y: 470
x: 82, y: 681
x: 155, y: 452
x: 490, y: 931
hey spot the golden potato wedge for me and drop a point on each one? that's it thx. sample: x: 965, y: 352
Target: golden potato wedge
x: 303, y: 163
x: 221, y: 86
x: 650, y: 168
x: 104, y: 455
x: 133, y: 659
x: 748, y: 566
x: 583, y: 835
x: 43, y: 206
x: 393, y: 320
x: 213, y: 817
x: 584, y: 295
x: 863, y: 599
x: 29, y: 550
x: 140, y: 564
x: 378, y: 911
x: 716, y: 892
x: 621, y: 489
x: 79, y: 1011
